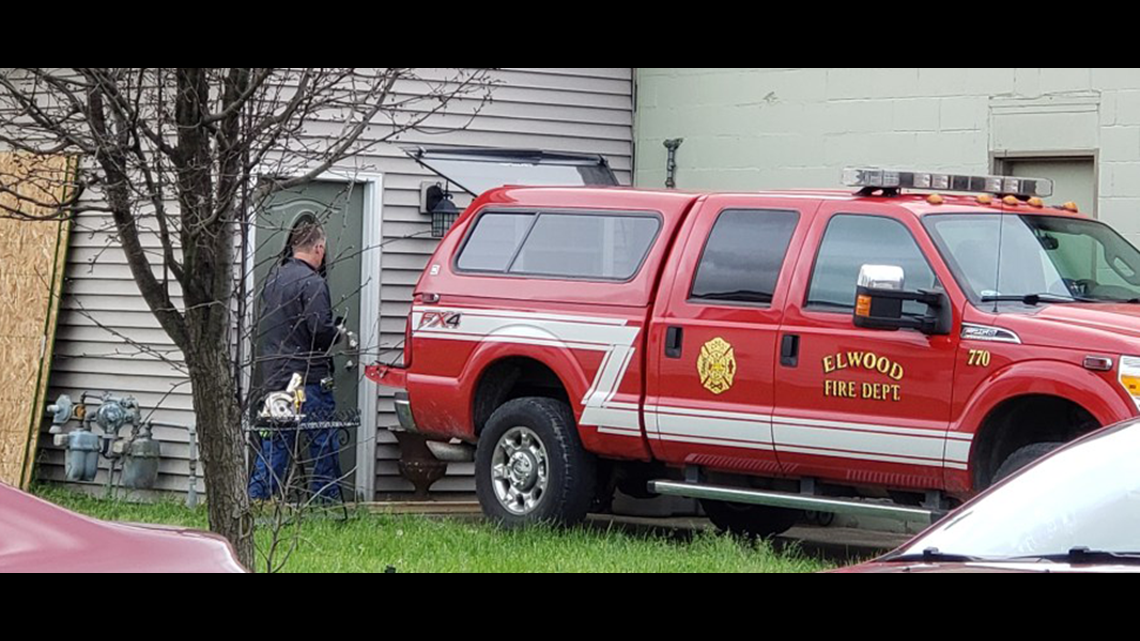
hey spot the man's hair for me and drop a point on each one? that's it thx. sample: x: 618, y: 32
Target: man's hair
x: 307, y: 236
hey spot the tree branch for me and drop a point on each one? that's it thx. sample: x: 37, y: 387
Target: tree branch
x: 235, y: 103
x: 154, y: 293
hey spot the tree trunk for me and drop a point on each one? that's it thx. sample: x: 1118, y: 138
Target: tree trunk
x: 222, y: 443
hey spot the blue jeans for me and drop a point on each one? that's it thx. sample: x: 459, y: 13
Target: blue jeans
x: 276, y: 452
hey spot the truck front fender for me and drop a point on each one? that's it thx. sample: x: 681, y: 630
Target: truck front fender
x: 1105, y: 401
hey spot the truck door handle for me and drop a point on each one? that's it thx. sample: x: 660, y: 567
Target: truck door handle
x: 790, y: 350
x: 674, y: 342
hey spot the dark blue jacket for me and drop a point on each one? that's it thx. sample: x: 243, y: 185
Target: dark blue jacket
x: 297, y: 329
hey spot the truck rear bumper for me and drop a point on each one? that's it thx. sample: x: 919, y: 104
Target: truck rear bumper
x: 395, y: 377
x: 387, y: 376
x: 404, y: 413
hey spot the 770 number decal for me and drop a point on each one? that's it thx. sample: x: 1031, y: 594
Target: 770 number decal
x: 979, y: 358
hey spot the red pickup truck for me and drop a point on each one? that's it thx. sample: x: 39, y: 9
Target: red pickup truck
x: 768, y: 352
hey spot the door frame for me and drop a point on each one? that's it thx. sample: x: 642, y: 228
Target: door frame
x: 368, y: 397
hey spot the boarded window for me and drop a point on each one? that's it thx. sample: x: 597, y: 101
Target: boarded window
x: 31, y: 275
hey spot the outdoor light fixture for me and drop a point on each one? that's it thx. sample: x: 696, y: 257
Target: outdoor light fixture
x: 444, y: 213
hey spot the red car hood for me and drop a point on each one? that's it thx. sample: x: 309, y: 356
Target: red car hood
x: 36, y: 536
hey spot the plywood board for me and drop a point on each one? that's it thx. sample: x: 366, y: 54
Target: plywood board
x: 32, y: 255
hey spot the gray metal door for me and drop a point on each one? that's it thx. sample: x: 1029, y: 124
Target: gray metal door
x: 1074, y: 179
x: 339, y: 207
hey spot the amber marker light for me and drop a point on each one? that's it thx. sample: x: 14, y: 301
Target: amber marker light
x: 1132, y: 384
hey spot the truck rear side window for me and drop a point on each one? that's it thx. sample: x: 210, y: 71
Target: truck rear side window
x: 495, y: 242
x: 588, y: 246
x: 744, y: 255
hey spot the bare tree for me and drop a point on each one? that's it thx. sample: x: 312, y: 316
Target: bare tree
x: 189, y: 154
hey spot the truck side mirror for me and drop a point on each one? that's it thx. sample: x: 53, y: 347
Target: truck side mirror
x: 879, y: 298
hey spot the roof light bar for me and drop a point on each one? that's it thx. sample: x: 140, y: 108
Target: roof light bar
x: 874, y: 178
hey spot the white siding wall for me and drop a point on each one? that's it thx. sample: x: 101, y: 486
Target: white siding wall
x: 108, y: 341
x: 781, y: 128
x: 571, y: 110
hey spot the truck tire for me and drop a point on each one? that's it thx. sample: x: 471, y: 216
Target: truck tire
x: 1022, y: 457
x: 750, y: 521
x: 530, y: 466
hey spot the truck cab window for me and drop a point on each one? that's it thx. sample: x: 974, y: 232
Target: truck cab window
x: 852, y: 241
x: 744, y: 255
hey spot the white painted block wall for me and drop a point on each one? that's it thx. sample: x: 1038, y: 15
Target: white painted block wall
x: 768, y: 128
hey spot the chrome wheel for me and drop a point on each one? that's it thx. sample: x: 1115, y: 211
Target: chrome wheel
x: 520, y: 471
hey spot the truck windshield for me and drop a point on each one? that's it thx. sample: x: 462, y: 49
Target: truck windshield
x: 1050, y: 258
x: 1087, y: 496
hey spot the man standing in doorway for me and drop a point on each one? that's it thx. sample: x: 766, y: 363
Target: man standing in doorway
x: 297, y: 335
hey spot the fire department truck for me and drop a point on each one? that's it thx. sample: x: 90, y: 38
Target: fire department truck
x: 889, y: 349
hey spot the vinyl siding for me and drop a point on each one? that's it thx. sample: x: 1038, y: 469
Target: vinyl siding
x: 569, y: 110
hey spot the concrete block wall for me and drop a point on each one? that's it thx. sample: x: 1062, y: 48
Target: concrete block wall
x: 768, y: 128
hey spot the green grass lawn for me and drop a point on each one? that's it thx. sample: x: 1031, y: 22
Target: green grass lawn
x: 374, y: 542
